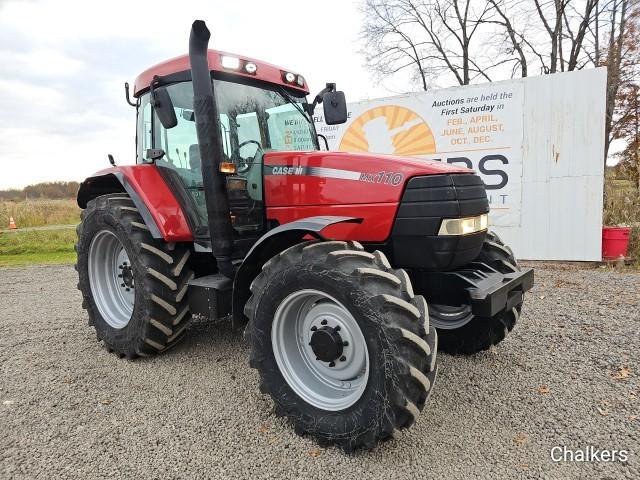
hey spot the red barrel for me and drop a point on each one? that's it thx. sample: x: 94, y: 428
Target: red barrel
x: 615, y: 242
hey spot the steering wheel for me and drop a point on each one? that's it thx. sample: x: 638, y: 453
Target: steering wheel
x: 247, y: 142
x: 243, y: 167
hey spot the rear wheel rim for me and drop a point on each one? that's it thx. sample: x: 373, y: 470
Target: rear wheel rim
x: 325, y: 384
x: 449, y: 317
x: 111, y: 279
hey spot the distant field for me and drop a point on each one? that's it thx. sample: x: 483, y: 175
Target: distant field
x: 46, y: 246
x: 35, y: 213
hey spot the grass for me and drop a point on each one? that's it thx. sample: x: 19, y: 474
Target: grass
x: 35, y: 213
x: 37, y: 247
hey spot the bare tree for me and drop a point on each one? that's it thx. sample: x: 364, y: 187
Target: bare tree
x: 622, y: 59
x: 432, y: 38
x: 462, y: 41
x: 553, y: 26
x: 549, y: 34
x: 389, y: 43
x: 514, y: 40
x: 576, y: 39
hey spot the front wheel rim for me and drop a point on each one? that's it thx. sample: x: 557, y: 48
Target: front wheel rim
x: 111, y: 279
x: 449, y: 317
x: 301, y: 323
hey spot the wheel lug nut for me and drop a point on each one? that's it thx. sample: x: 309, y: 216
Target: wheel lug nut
x: 332, y: 364
x: 122, y: 284
x: 324, y: 322
x: 343, y: 358
x: 119, y: 275
x: 120, y: 267
x: 345, y: 344
x: 313, y: 329
x: 128, y: 289
x: 336, y: 328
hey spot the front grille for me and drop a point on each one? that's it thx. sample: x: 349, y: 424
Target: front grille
x: 425, y: 202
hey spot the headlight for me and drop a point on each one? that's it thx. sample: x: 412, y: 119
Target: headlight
x: 231, y: 63
x: 464, y: 226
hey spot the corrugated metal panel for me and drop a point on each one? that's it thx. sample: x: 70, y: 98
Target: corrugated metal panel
x: 563, y: 167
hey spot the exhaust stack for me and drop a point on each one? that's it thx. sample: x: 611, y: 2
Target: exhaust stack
x: 211, y: 150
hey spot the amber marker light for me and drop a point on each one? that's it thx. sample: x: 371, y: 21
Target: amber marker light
x: 228, y: 167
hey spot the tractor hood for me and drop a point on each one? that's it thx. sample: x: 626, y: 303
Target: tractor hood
x: 340, y: 178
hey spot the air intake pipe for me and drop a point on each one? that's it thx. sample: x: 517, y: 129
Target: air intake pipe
x: 211, y: 150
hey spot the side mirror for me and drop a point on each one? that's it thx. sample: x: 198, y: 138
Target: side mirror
x: 335, y: 108
x: 163, y: 107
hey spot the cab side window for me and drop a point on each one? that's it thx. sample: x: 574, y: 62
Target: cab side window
x: 144, y: 128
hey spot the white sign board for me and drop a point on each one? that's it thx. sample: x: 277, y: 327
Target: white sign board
x: 488, y: 128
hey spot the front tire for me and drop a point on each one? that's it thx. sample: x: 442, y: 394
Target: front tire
x: 459, y: 330
x: 313, y: 299
x: 133, y: 286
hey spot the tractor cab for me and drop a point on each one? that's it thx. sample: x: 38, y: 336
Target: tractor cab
x: 260, y: 108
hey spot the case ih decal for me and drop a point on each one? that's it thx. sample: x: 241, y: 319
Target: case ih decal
x: 387, y: 178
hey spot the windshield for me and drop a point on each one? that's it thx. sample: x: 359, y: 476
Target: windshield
x: 259, y: 118
x: 253, y: 120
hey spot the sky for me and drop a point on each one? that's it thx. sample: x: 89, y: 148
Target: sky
x: 63, y: 64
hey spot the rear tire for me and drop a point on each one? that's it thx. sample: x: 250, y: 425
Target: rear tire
x: 148, y: 312
x: 461, y: 332
x: 399, y: 343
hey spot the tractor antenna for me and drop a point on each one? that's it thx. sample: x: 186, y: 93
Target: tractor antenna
x: 111, y: 160
x: 126, y: 93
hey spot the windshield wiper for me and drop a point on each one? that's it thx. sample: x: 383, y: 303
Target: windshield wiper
x: 290, y: 99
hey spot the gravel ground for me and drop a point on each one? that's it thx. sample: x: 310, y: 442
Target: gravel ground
x: 70, y: 409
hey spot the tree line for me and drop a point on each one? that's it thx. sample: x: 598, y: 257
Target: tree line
x: 45, y: 190
x: 440, y: 43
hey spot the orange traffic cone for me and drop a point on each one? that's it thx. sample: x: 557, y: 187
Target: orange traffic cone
x: 12, y: 224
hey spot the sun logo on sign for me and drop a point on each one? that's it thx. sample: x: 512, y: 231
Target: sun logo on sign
x: 389, y: 129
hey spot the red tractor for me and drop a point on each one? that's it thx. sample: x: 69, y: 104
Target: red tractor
x: 328, y: 259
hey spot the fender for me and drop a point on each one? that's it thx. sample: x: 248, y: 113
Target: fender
x: 270, y: 244
x: 150, y: 193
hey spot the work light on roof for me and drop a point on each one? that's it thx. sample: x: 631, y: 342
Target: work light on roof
x: 250, y: 67
x: 230, y: 63
x: 290, y: 77
x: 300, y: 80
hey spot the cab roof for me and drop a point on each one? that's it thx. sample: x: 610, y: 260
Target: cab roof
x: 265, y: 71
